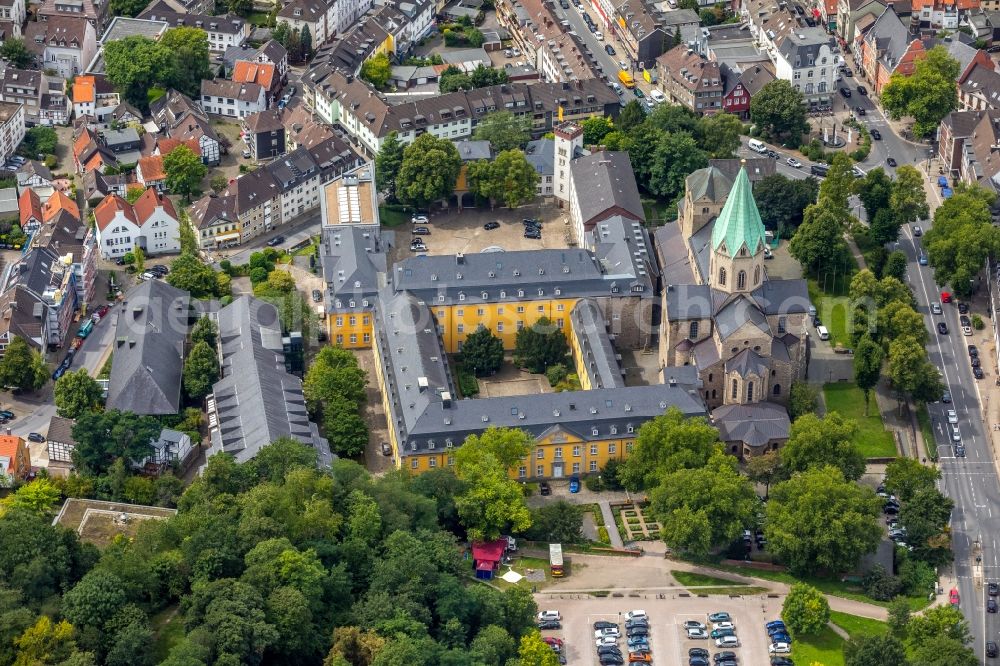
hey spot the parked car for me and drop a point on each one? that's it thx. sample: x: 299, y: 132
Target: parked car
x: 991, y: 649
x: 574, y: 484
x: 419, y: 219
x: 693, y: 624
x: 604, y: 624
x: 246, y: 153
x: 779, y: 648
x: 978, y: 373
x: 721, y: 616
x: 606, y: 640
x: 719, y: 633
x: 549, y: 615
x: 610, y: 50
x: 698, y: 652
x: 792, y: 162
x: 420, y: 231
x: 727, y: 642
x: 862, y: 90
x: 860, y: 110
x: 276, y: 241
x: 607, y: 631
x: 993, y: 589
x: 36, y: 437
x: 697, y: 633
x: 846, y: 92
x: 490, y: 226
x: 317, y: 295
x: 386, y: 449
x: 544, y: 488
x: 917, y: 231
x: 725, y: 625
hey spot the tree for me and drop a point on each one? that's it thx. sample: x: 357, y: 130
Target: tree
x: 94, y: 600
x: 927, y: 95
x: 817, y: 521
x: 926, y: 516
x: 46, y: 642
x: 16, y: 53
x: 782, y: 200
x: 189, y: 47
x: 306, y: 42
x: 38, y: 140
x: 806, y: 610
x: 962, y: 237
x: 492, y: 501
x: 388, y: 163
x: 820, y: 237
x: 344, y: 427
x: 904, y: 477
x: 493, y: 645
x: 677, y: 155
x: 22, y: 367
x: 899, y: 616
x: 908, y: 199
x: 140, y: 259
x: 595, y: 129
x: 135, y: 64
x: 190, y: 274
x: 815, y: 442
x: 704, y: 507
x: 133, y: 193
x: 874, y: 651
x: 803, y: 398
x: 666, y: 444
x: 880, y: 585
x: 943, y: 651
x: 867, y: 366
x: 874, y: 191
x: 184, y: 171
x: 539, y: 346
x: 557, y: 522
x: 839, y: 184
x: 453, y: 79
x: 720, y: 134
x: 778, y: 111
x: 895, y: 265
x: 630, y: 116
x: 764, y: 469
x: 377, y: 70
x: 483, y: 77
x: 201, y: 370
x: 509, y: 178
x: 101, y: 438
x: 39, y: 497
x: 76, y: 393
x: 534, y: 651
x: 503, y: 130
x: 205, y: 330
x: 429, y: 171
x: 334, y: 376
x: 482, y: 352
x: 911, y: 372
x: 936, y: 621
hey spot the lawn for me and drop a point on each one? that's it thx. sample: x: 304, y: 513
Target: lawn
x: 927, y: 431
x: 825, y: 648
x: 696, y: 579
x: 658, y: 212
x: 168, y: 630
x: 858, y: 626
x: 259, y: 19
x: 849, y: 401
x: 832, y: 309
x: 393, y: 216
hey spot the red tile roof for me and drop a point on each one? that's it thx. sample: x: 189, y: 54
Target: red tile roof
x: 108, y: 209
x: 57, y: 202
x: 30, y: 206
x: 166, y: 145
x: 10, y: 445
x: 146, y: 205
x: 151, y: 168
x: 254, y: 72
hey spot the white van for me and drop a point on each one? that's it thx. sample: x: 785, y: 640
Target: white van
x: 658, y: 96
x: 823, y: 333
x: 757, y: 146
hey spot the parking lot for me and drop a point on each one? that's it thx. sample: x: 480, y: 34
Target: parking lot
x: 668, y: 640
x: 454, y: 232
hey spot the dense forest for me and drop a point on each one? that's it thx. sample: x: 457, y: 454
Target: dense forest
x: 267, y: 562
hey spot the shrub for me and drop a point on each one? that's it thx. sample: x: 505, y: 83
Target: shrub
x: 593, y: 483
x: 556, y: 374
x: 977, y: 322
x: 880, y: 585
x: 467, y: 384
x: 602, y: 534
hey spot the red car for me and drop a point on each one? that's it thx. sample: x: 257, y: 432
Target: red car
x: 953, y: 597
x: 945, y: 297
x: 554, y: 643
x: 103, y: 310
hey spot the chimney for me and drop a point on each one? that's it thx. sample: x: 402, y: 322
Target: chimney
x: 445, y: 400
x: 8, y: 432
x: 460, y: 258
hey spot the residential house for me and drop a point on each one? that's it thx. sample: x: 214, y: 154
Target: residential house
x: 849, y: 12
x: 264, y: 134
x: 602, y: 186
x: 95, y: 12
x: 641, y: 31
x: 59, y: 445
x: 942, y: 14
x: 55, y: 108
x: 15, y: 461
x: 741, y: 87
x: 256, y: 203
x: 12, y: 128
x: 75, y: 243
x: 90, y: 153
x: 887, y: 47
x: 545, y: 40
x: 979, y: 88
x: 223, y: 31
x: 688, y: 78
x: 94, y: 96
x: 149, y: 172
x: 275, y: 54
x: 172, y: 448
x: 34, y: 174
x: 24, y: 86
x: 808, y: 58
x: 256, y: 401
x: 148, y: 353
x: 29, y: 210
x: 263, y: 74
x: 297, y: 176
x: 178, y: 117
x: 541, y: 155
x: 23, y: 315
x: 151, y: 224
x: 215, y: 222
x: 12, y: 14
x: 232, y: 99
x: 980, y: 164
x: 368, y: 118
x: 65, y: 44
x: 97, y: 185
x: 316, y: 16
x: 51, y: 287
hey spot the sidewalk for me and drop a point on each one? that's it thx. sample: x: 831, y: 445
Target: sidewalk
x: 609, y: 523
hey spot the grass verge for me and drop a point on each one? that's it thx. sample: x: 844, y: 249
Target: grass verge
x: 856, y: 625
x: 825, y: 648
x: 849, y: 401
x: 930, y: 444
x: 392, y: 215
x: 745, y: 591
x: 696, y: 579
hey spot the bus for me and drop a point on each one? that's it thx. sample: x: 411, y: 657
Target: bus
x: 85, y: 330
x: 556, y: 560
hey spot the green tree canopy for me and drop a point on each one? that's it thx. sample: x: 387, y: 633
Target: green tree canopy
x: 187, y: 272
x: 509, y: 178
x: 201, y: 370
x: 666, y: 444
x: 815, y: 442
x: 805, y: 610
x: 819, y: 239
x: 777, y: 109
x: 388, y: 163
x: 908, y: 199
x: 867, y: 366
x: 595, y: 129
x: 904, y: 477
x: 557, y: 522
x: 189, y: 48
x: 492, y: 502
x: 927, y: 95
x: 961, y: 238
x: 184, y: 171
x: 16, y: 53
x: 818, y: 521
x: 205, y: 330
x: 76, y: 393
x: 429, y: 171
x: 22, y: 367
x: 540, y: 346
x: 503, y: 130
x: 782, y: 200
x: 720, y: 134
x: 377, y: 70
x: 103, y: 437
x: 482, y: 352
x: 135, y: 64
x: 874, y: 651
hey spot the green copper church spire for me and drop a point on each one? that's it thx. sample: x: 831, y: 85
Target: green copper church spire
x: 739, y: 222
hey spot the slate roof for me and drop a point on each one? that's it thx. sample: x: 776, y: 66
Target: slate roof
x: 244, y: 92
x: 598, y: 356
x: 755, y: 424
x: 700, y: 243
x: 61, y: 430
x: 756, y: 77
x: 623, y: 248
x: 780, y: 297
x: 672, y: 256
x: 888, y: 37
x: 709, y: 182
x: 148, y: 352
x: 980, y: 80
x: 603, y: 181
x: 257, y: 401
x: 802, y: 43
x: 541, y: 155
x: 264, y: 121
x: 739, y: 224
x: 737, y: 312
x: 747, y: 362
x: 228, y: 23
x: 354, y: 264
x: 757, y: 168
x: 474, y: 150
